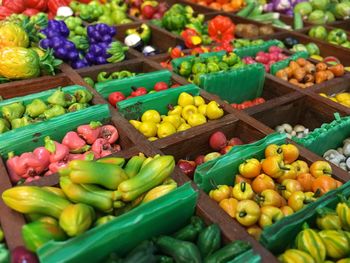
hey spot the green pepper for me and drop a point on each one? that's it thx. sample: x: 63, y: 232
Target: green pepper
x: 338, y: 36
x: 89, y: 81
x: 4, y: 254
x: 223, y: 66
x: 4, y: 125
x: 239, y: 64
x: 181, y: 251
x: 143, y: 31
x: 185, y: 68
x: 54, y: 111
x: 38, y: 233
x: 143, y: 253
x: 209, y: 240
x: 103, y: 76
x: 191, y: 231
x: 164, y: 259
x: 213, y: 67
x: 21, y: 122
x: 77, y: 106
x: 13, y: 111
x: 36, y: 108
x: 228, y: 252
x: 213, y: 59
x: 61, y: 98
x: 199, y: 68
x: 230, y: 58
x: 83, y: 96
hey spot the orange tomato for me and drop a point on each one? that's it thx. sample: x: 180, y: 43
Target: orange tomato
x: 239, y: 178
x: 324, y: 184
x: 306, y: 180
x: 290, y: 153
x: 262, y: 182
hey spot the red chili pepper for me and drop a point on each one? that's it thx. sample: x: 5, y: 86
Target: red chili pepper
x: 138, y: 91
x: 115, y: 97
x: 191, y: 38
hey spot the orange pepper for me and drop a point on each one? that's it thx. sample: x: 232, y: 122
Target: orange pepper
x: 229, y: 205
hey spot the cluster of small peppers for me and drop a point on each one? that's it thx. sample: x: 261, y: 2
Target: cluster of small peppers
x: 89, y: 142
x: 248, y: 103
x: 327, y: 239
x: 104, y: 76
x: 16, y: 115
x: 266, y: 191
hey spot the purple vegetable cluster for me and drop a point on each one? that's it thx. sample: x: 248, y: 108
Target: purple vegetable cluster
x: 100, y: 37
x: 282, y: 6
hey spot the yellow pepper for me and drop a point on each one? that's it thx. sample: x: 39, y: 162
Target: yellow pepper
x: 269, y: 215
x: 242, y: 191
x: 220, y: 193
x: 298, y: 199
x: 229, y: 205
x: 247, y: 212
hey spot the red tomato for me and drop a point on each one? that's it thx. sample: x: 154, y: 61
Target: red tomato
x: 115, y: 97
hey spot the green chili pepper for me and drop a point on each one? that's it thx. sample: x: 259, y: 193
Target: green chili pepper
x: 83, y: 96
x: 13, y: 111
x: 103, y: 76
x: 54, y: 111
x: 36, y: 108
x: 89, y: 81
x: 77, y: 106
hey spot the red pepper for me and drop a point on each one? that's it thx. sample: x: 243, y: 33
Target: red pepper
x: 138, y: 91
x: 30, y: 12
x: 161, y: 85
x: 32, y: 165
x: 14, y: 169
x: 59, y: 152
x: 90, y: 132
x: 175, y: 85
x: 191, y: 38
x: 40, y: 5
x: 55, y: 167
x: 224, y: 46
x: 199, y: 50
x: 115, y: 97
x: 175, y: 52
x: 43, y: 156
x: 5, y: 12
x: 101, y: 148
x: 74, y: 142
x: 221, y: 29
x: 53, y: 5
x: 16, y: 6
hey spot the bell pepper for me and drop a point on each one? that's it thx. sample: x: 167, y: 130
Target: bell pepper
x: 220, y: 193
x: 231, y: 59
x: 13, y: 111
x: 89, y: 172
x: 221, y: 29
x: 213, y: 67
x: 38, y: 233
x: 191, y: 231
x: 144, y: 252
x: 289, y: 186
x: 229, y: 205
x: 269, y: 215
x: 269, y: 197
x: 4, y: 254
x: 144, y: 31
x: 185, y: 68
x: 36, y: 108
x: 4, y: 125
x: 242, y: 191
x: 327, y: 219
x: 247, y: 212
x: 21, y: 122
x: 343, y: 212
x: 199, y: 68
x: 191, y: 38
x: 337, y: 36
x: 83, y: 96
x: 273, y: 166
x: 103, y: 76
x: 228, y: 252
x: 77, y: 106
x: 298, y: 199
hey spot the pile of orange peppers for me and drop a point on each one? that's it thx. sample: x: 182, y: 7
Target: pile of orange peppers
x: 268, y: 190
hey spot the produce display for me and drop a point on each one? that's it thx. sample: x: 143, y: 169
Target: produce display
x: 268, y: 190
x: 189, y: 243
x: 104, y: 76
x: 194, y: 68
x: 326, y: 239
x: 273, y: 55
x: 304, y: 74
x: 99, y: 161
x: 335, y: 36
x: 190, y: 111
x: 84, y: 199
x: 340, y: 156
x: 220, y: 145
x: 16, y: 115
x: 298, y: 130
x: 117, y: 96
x: 323, y: 11
x: 88, y: 142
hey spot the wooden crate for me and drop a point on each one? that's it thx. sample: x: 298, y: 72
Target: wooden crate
x: 161, y: 40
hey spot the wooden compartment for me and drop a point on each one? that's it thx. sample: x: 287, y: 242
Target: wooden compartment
x: 344, y: 24
x: 304, y: 110
x: 161, y: 40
